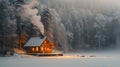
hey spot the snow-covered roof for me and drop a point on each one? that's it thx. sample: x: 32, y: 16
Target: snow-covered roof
x: 35, y: 41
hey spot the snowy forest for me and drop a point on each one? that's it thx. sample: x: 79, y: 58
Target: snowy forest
x: 69, y: 24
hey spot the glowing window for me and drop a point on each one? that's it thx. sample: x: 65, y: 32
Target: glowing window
x: 33, y: 49
x: 36, y: 48
x: 41, y: 48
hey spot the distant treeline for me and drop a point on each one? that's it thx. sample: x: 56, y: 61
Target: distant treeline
x: 68, y: 29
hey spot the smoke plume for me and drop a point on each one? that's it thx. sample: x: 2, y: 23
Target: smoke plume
x: 30, y: 12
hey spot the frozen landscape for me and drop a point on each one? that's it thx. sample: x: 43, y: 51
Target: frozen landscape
x: 60, y: 25
x: 82, y: 59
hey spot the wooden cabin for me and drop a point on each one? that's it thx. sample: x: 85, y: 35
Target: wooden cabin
x: 38, y: 45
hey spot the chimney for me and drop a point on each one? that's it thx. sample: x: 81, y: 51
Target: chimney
x: 41, y: 36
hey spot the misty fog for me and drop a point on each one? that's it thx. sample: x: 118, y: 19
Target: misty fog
x: 82, y: 17
x: 69, y: 24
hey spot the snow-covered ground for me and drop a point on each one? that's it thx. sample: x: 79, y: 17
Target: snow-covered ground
x: 98, y: 59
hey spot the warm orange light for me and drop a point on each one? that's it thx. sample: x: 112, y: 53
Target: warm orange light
x: 46, y: 47
x: 45, y: 42
x: 41, y: 48
x: 36, y: 48
x: 33, y: 49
